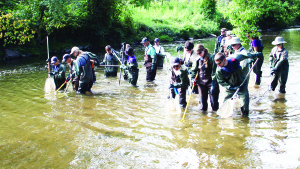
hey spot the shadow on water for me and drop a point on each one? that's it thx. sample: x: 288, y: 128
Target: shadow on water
x: 121, y: 126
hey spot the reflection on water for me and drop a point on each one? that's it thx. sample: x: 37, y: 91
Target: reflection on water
x: 128, y: 127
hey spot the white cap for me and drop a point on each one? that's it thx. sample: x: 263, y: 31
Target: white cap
x: 75, y: 48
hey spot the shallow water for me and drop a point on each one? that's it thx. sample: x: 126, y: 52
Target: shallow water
x: 127, y: 127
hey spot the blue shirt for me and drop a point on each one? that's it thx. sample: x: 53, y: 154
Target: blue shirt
x: 231, y: 67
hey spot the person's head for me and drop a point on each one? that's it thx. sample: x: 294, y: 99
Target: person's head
x: 220, y: 59
x: 223, y: 31
x: 130, y: 51
x: 176, y: 63
x: 188, y: 46
x: 75, y: 51
x: 279, y: 42
x: 54, y: 60
x: 127, y: 46
x: 156, y: 41
x: 66, y: 58
x: 201, y: 50
x: 235, y: 42
x: 108, y: 49
x: 145, y: 41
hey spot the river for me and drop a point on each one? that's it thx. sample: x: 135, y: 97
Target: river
x: 128, y: 127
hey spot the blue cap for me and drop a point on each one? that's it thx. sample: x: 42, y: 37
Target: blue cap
x: 145, y: 39
x: 176, y: 61
x: 54, y: 59
x: 65, y: 57
x: 156, y: 40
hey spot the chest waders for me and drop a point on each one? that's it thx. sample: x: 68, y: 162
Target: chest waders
x: 148, y: 63
x: 86, y: 76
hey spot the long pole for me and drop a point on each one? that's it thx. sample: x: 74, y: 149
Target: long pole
x: 234, y: 95
x: 122, y: 50
x: 189, y: 99
x: 117, y: 56
x: 48, y: 57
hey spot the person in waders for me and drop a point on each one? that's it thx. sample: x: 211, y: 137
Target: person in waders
x: 150, y: 60
x: 230, y: 75
x: 255, y: 47
x: 58, y: 72
x: 160, y: 53
x: 179, y: 81
x: 67, y: 59
x: 82, y: 69
x: 218, y: 43
x: 279, y: 64
x: 131, y: 69
x: 207, y: 82
x: 110, y: 59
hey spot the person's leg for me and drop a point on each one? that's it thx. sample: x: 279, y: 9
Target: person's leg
x: 214, y: 96
x: 203, y: 93
x: 283, y: 77
x: 182, y: 97
x: 274, y: 81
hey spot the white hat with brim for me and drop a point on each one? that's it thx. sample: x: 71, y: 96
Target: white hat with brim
x: 278, y: 40
x: 235, y: 40
x: 75, y: 48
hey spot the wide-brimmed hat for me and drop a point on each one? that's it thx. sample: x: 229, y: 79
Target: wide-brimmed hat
x: 145, y: 39
x: 278, y: 40
x: 75, y: 48
x: 54, y: 59
x: 235, y: 40
x: 65, y: 57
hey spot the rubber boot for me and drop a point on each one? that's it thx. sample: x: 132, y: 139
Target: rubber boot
x: 245, y: 112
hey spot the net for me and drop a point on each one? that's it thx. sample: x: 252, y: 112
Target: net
x: 49, y: 85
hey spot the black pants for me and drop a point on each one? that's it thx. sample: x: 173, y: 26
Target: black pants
x: 257, y: 69
x: 182, y: 95
x: 280, y: 77
x: 204, y: 92
x: 150, y: 73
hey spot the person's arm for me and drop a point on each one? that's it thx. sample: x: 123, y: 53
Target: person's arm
x: 152, y: 53
x: 283, y: 58
x: 221, y: 79
x: 194, y: 69
x: 61, y: 72
x: 184, y: 78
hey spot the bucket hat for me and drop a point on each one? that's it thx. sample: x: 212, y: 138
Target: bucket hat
x: 278, y: 40
x: 235, y: 40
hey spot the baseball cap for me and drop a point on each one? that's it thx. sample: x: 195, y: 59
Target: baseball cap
x: 145, y: 39
x: 65, y: 57
x: 54, y: 59
x: 75, y: 48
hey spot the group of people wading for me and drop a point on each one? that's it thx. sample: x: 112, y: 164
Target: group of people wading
x: 228, y: 66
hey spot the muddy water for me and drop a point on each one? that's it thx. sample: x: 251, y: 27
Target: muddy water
x: 127, y: 127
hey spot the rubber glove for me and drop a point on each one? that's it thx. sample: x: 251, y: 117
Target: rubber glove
x: 234, y: 88
x: 273, y: 71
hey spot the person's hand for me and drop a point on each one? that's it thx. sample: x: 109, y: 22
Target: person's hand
x: 72, y: 75
x: 179, y: 48
x: 51, y: 73
x: 234, y: 88
x: 171, y: 86
x: 273, y: 71
x: 123, y: 66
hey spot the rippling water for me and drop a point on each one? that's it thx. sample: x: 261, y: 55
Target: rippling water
x: 127, y: 127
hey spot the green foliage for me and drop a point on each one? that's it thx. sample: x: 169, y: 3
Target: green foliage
x: 244, y: 15
x: 15, y: 31
x: 183, y: 19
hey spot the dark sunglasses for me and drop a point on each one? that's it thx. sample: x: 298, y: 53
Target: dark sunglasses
x: 176, y: 66
x: 219, y: 63
x: 233, y: 45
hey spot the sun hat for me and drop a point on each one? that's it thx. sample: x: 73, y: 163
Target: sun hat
x: 235, y: 40
x: 54, y: 59
x: 278, y: 40
x: 65, y: 57
x: 75, y: 48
